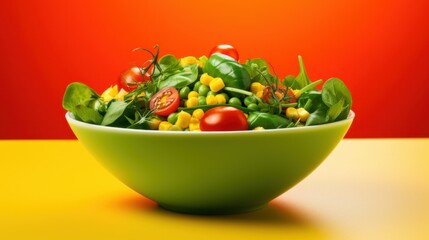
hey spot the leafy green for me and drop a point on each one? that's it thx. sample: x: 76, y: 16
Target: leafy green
x: 335, y: 105
x: 256, y: 68
x: 172, y: 74
x: 334, y: 91
x: 182, y: 78
x: 77, y: 100
x: 114, y: 112
x: 266, y: 120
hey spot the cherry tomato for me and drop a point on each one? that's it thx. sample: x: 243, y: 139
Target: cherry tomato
x: 279, y: 92
x: 227, y: 50
x: 165, y: 102
x: 224, y: 118
x: 131, y: 78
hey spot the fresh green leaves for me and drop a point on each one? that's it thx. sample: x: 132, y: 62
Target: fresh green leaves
x: 78, y: 99
x: 300, y: 81
x: 232, y: 72
x: 258, y: 68
x: 266, y: 120
x: 114, y: 112
x: 172, y: 74
x: 335, y: 105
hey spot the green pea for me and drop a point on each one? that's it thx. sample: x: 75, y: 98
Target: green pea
x: 197, y: 85
x: 234, y: 101
x: 184, y: 92
x: 211, y: 93
x: 172, y: 118
x: 253, y: 106
x: 249, y: 100
x: 202, y: 100
x: 175, y: 128
x: 203, y: 90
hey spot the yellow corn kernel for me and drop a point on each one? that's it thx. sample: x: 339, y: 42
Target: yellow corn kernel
x: 188, y: 61
x: 192, y: 102
x: 154, y: 123
x: 220, y: 99
x: 194, y: 126
x: 255, y: 87
x: 164, y: 125
x: 211, y: 99
x: 198, y: 113
x: 183, y: 120
x: 216, y: 85
x: 206, y: 79
x: 110, y: 93
x: 259, y: 128
x: 297, y: 93
x: 260, y: 94
x: 292, y: 113
x: 193, y: 94
x: 194, y: 120
x: 121, y: 95
x: 302, y: 114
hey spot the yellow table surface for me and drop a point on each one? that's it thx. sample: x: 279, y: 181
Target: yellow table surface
x: 366, y: 189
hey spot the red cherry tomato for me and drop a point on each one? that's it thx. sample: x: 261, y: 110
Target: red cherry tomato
x: 280, y: 91
x: 224, y: 118
x: 165, y: 101
x: 227, y: 50
x: 130, y: 79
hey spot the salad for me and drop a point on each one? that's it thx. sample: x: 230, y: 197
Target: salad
x: 214, y: 93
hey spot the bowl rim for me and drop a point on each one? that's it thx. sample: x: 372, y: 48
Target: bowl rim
x: 71, y: 120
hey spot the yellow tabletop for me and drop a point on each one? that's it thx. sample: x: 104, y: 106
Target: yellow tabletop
x: 366, y: 189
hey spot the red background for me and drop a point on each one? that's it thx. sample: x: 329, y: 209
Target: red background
x: 379, y: 48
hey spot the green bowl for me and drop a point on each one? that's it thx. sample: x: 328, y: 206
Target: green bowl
x: 210, y: 172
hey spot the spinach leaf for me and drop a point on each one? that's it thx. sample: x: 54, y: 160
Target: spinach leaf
x: 310, y: 100
x: 77, y: 99
x: 169, y: 63
x: 302, y: 79
x: 266, y: 120
x: 334, y: 92
x: 115, y: 110
x: 318, y: 117
x: 289, y: 81
x: 179, y: 79
x: 255, y: 67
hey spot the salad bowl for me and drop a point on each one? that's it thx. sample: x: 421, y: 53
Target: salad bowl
x: 210, y: 172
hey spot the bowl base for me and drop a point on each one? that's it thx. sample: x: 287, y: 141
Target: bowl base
x: 204, y: 211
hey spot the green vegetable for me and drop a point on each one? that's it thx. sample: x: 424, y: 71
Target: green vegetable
x: 301, y: 80
x: 234, y: 101
x: 258, y: 68
x: 266, y: 120
x: 184, y: 92
x: 232, y: 73
x: 172, y: 118
x: 171, y: 74
x: 114, y: 112
x: 332, y: 104
x: 77, y: 100
x: 203, y: 90
x: 338, y: 98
